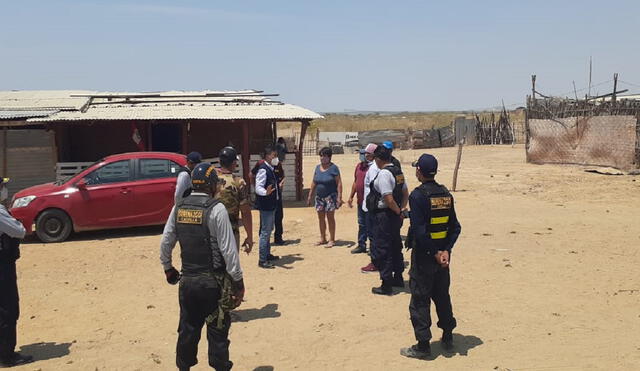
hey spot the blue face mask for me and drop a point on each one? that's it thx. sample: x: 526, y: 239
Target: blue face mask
x: 363, y: 158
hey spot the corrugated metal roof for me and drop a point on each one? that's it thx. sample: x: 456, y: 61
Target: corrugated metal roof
x: 23, y: 114
x: 42, y: 99
x: 177, y: 111
x: 77, y: 105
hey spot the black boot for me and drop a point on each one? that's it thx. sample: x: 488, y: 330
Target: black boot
x: 398, y: 281
x: 384, y: 289
x: 16, y: 359
x: 419, y: 351
x: 359, y: 250
x: 447, y: 340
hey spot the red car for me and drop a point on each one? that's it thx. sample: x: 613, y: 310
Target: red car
x: 125, y: 190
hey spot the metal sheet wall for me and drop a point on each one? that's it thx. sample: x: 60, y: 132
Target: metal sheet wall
x: 30, y: 158
x: 466, y: 128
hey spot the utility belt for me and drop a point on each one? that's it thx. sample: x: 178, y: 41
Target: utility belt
x: 210, y: 273
x: 378, y: 210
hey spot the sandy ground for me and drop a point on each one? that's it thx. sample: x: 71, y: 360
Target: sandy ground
x: 544, y: 276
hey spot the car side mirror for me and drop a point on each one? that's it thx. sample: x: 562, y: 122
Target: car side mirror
x: 82, y: 184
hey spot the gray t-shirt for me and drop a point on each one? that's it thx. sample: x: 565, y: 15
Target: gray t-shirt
x: 326, y: 180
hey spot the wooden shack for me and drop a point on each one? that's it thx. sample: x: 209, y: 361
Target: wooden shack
x: 61, y: 132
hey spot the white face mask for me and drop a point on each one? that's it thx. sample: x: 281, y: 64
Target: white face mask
x: 275, y: 161
x: 4, y: 194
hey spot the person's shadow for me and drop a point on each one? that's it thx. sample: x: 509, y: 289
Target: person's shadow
x: 264, y: 368
x: 246, y: 315
x: 462, y: 344
x: 288, y: 243
x: 287, y: 260
x: 44, y: 351
x: 343, y: 243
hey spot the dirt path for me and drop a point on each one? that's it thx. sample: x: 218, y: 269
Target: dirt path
x: 544, y: 276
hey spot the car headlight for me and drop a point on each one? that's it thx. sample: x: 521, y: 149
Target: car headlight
x: 23, y: 201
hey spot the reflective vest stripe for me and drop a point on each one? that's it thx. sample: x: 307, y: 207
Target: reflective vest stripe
x: 440, y: 220
x: 438, y: 235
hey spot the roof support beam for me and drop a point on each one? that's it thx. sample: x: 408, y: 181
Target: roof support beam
x: 299, y: 155
x: 246, y: 153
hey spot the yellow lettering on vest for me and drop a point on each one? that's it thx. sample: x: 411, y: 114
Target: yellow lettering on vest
x: 400, y: 179
x: 187, y: 216
x: 440, y: 220
x: 440, y: 203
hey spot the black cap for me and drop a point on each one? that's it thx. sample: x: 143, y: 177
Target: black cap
x: 204, y: 176
x: 227, y: 155
x: 427, y: 164
x: 194, y: 157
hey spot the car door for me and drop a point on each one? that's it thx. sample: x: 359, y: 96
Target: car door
x: 105, y: 200
x: 154, y: 189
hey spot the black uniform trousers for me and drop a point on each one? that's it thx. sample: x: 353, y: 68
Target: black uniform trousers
x: 387, y: 247
x: 429, y: 281
x: 9, y: 308
x: 277, y: 236
x: 199, y: 297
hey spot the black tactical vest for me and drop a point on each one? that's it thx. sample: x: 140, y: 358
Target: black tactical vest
x: 440, y: 206
x: 199, y: 254
x: 397, y: 190
x: 373, y: 198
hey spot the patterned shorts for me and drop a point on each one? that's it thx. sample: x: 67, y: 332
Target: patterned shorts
x: 329, y: 203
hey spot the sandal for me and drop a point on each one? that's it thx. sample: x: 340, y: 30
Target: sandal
x: 321, y: 243
x: 330, y: 244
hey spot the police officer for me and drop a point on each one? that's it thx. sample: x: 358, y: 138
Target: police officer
x: 387, y: 199
x: 234, y: 195
x: 433, y: 231
x: 211, y: 280
x: 11, y: 230
x: 183, y: 183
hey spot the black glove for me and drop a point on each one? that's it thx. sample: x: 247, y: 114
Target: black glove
x: 237, y: 291
x: 408, y: 243
x: 173, y: 276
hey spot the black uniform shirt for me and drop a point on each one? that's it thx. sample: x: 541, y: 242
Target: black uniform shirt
x: 420, y: 218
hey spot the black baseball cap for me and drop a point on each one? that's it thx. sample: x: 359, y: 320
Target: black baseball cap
x: 194, y: 157
x: 427, y: 164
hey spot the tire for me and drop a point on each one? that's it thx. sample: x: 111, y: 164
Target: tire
x: 53, y: 225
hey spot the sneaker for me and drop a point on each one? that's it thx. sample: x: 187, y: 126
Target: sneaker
x: 266, y: 265
x: 447, y: 340
x: 384, y: 289
x: 369, y: 268
x: 16, y: 359
x: 416, y: 352
x: 359, y: 250
x: 272, y: 257
x: 398, y: 281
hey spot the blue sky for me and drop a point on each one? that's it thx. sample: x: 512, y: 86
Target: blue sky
x: 327, y: 55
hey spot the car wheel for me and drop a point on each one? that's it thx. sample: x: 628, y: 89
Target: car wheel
x: 53, y: 226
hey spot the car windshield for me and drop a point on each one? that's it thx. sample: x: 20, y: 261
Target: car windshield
x: 68, y: 178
